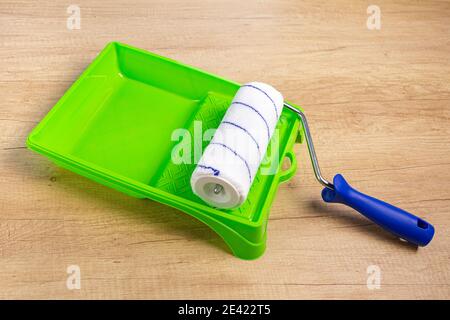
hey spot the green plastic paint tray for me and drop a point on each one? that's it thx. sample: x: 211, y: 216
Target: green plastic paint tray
x: 115, y: 123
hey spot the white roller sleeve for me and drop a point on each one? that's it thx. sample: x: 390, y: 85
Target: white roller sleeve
x: 226, y: 170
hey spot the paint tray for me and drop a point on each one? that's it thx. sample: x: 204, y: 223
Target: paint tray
x: 116, y: 124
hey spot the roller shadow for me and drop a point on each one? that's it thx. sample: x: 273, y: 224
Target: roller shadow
x: 353, y: 219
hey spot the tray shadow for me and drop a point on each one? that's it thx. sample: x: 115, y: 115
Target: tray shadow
x: 171, y: 221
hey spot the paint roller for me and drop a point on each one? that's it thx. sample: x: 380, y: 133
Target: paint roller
x: 229, y: 164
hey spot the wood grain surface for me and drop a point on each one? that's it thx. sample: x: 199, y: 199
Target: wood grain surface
x: 378, y: 103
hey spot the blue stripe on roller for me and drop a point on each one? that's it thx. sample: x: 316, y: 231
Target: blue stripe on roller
x: 265, y: 93
x: 246, y: 131
x: 237, y: 155
x: 257, y: 112
x: 214, y: 170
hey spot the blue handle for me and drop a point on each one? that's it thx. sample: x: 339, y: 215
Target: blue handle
x: 393, y: 219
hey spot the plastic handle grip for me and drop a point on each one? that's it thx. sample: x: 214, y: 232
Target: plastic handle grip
x: 393, y: 219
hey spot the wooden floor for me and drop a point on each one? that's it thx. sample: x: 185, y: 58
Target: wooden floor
x: 378, y: 102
